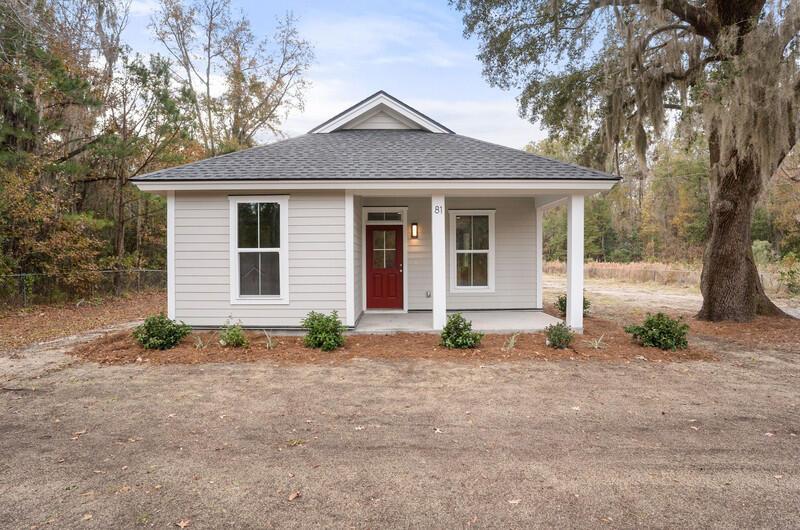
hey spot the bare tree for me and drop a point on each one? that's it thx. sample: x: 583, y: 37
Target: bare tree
x: 264, y: 80
x: 239, y: 85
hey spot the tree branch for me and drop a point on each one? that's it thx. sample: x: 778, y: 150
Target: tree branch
x: 704, y: 23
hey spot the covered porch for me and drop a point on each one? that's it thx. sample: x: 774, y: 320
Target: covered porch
x: 486, y: 321
x: 427, y: 254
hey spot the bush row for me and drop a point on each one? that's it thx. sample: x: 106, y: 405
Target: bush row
x: 326, y: 332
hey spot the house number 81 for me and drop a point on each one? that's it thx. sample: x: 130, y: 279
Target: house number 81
x: 437, y: 209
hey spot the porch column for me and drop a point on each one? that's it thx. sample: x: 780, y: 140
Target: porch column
x: 539, y: 257
x: 575, y: 262
x: 349, y: 260
x: 438, y: 258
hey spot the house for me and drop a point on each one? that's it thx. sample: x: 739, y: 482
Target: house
x: 379, y: 213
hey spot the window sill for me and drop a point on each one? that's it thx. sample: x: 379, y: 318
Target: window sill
x: 259, y: 301
x: 462, y: 290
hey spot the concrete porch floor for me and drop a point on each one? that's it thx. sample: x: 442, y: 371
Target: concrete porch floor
x: 487, y: 321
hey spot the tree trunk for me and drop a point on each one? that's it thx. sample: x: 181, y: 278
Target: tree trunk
x: 119, y: 236
x: 141, y: 217
x: 730, y: 282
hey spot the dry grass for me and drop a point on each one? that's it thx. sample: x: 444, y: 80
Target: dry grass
x: 679, y: 274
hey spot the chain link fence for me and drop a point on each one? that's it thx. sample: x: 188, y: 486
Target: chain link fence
x: 18, y: 290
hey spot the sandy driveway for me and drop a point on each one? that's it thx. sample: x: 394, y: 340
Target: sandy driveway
x: 403, y: 444
x: 616, y: 298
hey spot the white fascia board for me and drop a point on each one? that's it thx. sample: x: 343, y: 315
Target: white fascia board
x: 450, y: 187
x: 379, y: 99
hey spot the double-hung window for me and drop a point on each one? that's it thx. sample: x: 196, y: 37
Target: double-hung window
x: 259, y: 249
x: 472, y: 250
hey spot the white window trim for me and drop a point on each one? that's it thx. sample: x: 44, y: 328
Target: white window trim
x: 490, y: 253
x: 283, y: 258
x: 403, y: 211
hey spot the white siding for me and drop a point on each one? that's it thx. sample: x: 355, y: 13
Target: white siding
x: 379, y: 120
x: 316, y: 260
x: 515, y: 242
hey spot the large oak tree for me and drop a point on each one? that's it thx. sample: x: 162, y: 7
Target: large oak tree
x: 624, y: 70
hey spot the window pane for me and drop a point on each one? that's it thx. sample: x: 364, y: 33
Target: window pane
x: 389, y: 259
x: 480, y: 270
x: 378, y: 239
x: 384, y: 216
x: 248, y: 273
x: 248, y: 225
x: 390, y: 239
x: 269, y: 225
x: 377, y: 258
x: 270, y: 273
x: 259, y: 273
x: 480, y: 232
x: 463, y: 270
x: 463, y: 232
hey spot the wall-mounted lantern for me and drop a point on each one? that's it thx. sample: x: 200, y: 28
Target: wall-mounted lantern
x: 414, y: 230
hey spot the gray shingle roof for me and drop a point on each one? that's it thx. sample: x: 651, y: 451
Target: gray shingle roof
x: 377, y: 154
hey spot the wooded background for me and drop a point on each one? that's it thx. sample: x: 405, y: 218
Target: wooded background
x: 81, y: 113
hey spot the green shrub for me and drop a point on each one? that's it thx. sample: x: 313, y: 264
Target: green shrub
x: 233, y: 335
x: 661, y: 331
x: 561, y: 305
x: 457, y: 333
x: 762, y: 252
x: 790, y: 273
x: 324, y: 331
x: 559, y: 336
x: 160, y: 333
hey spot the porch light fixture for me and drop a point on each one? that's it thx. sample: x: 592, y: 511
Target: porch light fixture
x: 414, y: 230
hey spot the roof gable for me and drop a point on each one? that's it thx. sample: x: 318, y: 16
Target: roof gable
x: 381, y: 111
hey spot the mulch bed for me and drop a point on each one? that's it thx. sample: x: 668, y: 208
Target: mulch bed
x: 203, y: 347
x: 779, y: 333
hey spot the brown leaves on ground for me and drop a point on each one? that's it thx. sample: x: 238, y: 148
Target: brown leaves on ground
x: 120, y: 348
x: 23, y: 326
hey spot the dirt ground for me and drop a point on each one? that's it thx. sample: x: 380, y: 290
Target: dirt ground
x: 22, y: 326
x: 405, y: 442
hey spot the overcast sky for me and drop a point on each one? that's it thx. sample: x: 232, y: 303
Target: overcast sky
x: 413, y: 50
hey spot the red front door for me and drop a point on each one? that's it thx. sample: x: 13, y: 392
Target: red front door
x: 384, y: 267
